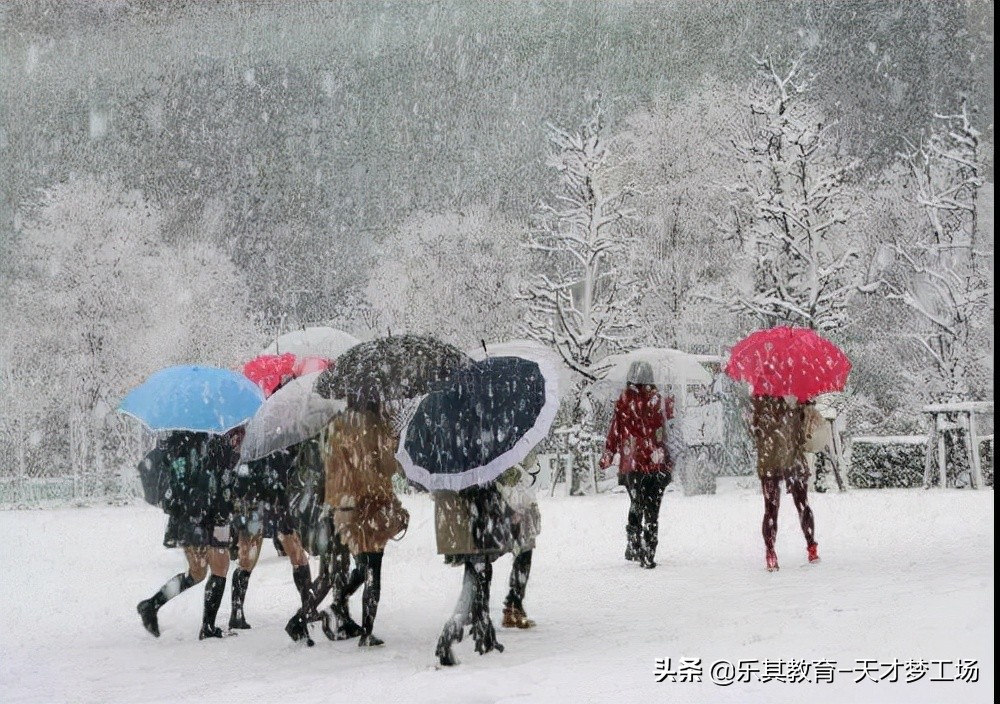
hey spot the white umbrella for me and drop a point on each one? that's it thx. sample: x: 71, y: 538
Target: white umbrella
x: 670, y: 368
x: 317, y: 341
x: 293, y: 414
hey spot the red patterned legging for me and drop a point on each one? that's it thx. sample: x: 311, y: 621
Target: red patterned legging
x: 798, y: 487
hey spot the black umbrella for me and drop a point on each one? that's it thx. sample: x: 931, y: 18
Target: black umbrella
x: 390, y: 368
x: 482, y: 421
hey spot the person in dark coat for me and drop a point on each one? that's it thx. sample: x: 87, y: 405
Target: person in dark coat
x: 474, y: 527
x: 638, y: 436
x: 262, y: 507
x: 779, y: 432
x: 307, y: 497
x: 199, y: 509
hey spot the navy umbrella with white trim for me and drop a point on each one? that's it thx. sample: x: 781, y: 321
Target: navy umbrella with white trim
x: 479, y: 423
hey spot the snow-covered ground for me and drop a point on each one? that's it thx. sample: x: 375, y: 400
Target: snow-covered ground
x: 905, y: 575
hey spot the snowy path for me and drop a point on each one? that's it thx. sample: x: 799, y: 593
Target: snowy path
x: 906, y: 574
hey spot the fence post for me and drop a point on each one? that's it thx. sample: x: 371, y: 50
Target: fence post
x: 974, y: 459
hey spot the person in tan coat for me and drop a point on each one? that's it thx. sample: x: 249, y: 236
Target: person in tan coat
x: 360, y: 464
x: 779, y: 427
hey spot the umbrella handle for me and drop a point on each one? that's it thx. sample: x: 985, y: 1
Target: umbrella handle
x: 485, y: 351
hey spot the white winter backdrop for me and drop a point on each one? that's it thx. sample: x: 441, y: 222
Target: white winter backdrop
x: 184, y: 182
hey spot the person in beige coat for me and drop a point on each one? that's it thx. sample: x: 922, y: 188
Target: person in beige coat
x: 360, y: 464
x: 474, y: 527
x: 779, y: 427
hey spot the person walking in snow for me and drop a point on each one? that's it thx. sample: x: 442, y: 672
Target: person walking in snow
x: 778, y: 426
x: 517, y: 486
x: 262, y: 507
x: 360, y: 464
x: 638, y: 437
x: 307, y: 493
x: 199, y: 507
x: 474, y: 527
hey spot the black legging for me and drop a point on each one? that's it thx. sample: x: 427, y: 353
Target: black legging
x: 645, y: 492
x: 367, y: 571
x: 798, y: 487
x: 519, y: 572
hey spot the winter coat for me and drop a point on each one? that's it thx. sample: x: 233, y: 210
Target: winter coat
x: 307, y: 498
x: 260, y: 491
x: 199, y: 494
x: 360, y: 464
x: 473, y: 521
x: 201, y: 469
x: 637, y: 431
x: 778, y: 429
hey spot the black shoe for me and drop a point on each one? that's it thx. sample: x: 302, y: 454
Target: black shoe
x: 238, y: 622
x: 370, y: 641
x: 630, y: 554
x: 648, y: 562
x: 147, y: 611
x: 341, y: 630
x: 209, y: 631
x: 297, y: 630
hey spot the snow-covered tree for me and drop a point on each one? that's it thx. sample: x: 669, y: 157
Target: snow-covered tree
x: 96, y: 293
x: 943, y: 266
x: 455, y: 276
x: 581, y: 300
x: 798, y: 188
x: 677, y: 153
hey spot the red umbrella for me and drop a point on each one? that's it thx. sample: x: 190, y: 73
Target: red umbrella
x: 789, y: 361
x: 270, y: 371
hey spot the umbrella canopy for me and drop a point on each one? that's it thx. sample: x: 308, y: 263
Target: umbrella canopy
x: 668, y: 367
x: 195, y: 398
x: 294, y: 413
x: 485, y: 419
x: 269, y: 371
x: 528, y: 349
x: 313, y: 341
x: 789, y: 361
x: 390, y: 368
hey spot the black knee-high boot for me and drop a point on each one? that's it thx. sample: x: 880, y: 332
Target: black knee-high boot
x: 454, y: 627
x: 297, y: 627
x: 482, y: 630
x: 241, y: 580
x: 147, y: 608
x: 372, y: 563
x: 302, y: 576
x: 343, y: 626
x: 214, y: 590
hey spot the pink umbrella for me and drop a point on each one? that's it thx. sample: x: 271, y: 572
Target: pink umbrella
x: 308, y: 364
x: 789, y: 361
x: 270, y: 371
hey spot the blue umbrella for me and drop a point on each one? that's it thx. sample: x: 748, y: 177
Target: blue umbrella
x: 483, y: 420
x: 199, y: 399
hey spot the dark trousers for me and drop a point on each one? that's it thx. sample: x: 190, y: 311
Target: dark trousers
x: 798, y: 487
x: 645, y: 492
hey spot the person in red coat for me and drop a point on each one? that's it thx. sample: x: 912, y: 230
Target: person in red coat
x: 638, y: 436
